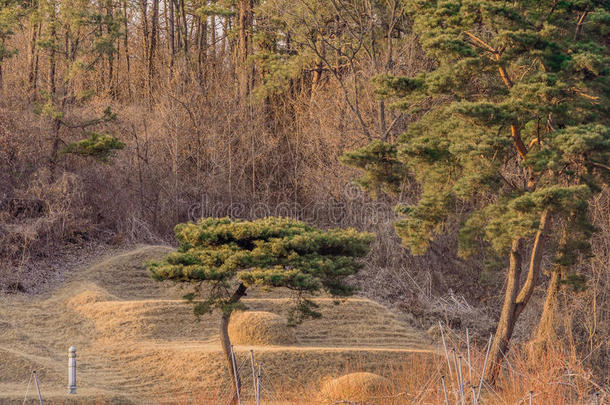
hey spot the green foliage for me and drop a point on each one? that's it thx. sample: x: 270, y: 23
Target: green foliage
x: 10, y: 14
x: 521, y: 126
x: 381, y: 165
x: 280, y: 69
x: 266, y: 253
x: 319, y: 38
x: 97, y: 146
x: 49, y: 110
x: 89, y: 30
x: 215, y: 9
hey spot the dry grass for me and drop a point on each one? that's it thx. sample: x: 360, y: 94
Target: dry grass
x: 134, y: 344
x: 138, y: 340
x: 553, y: 379
x: 260, y: 328
x: 355, y: 387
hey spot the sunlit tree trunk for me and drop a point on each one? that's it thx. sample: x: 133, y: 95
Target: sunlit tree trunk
x: 202, y: 54
x: 546, y: 336
x: 545, y: 332
x: 243, y: 47
x: 225, y: 340
x: 126, y: 46
x: 154, y: 24
x: 515, y: 298
x: 172, y: 37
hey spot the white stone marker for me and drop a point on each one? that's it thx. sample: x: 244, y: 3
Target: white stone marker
x: 72, y: 370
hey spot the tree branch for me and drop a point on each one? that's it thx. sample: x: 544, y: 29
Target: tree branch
x: 484, y: 45
x: 579, y: 25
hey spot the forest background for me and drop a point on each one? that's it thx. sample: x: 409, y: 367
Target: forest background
x: 120, y: 119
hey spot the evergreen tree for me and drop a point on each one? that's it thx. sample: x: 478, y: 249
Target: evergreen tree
x: 98, y: 146
x: 516, y: 141
x: 222, y: 258
x: 302, y: 45
x: 10, y: 13
x: 80, y: 40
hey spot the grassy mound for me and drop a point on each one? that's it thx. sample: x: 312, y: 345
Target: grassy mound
x: 355, y: 387
x: 87, y: 297
x: 137, y: 340
x: 260, y: 328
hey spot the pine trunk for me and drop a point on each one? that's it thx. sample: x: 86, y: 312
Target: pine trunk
x: 153, y: 45
x: 225, y: 341
x: 172, y: 38
x: 546, y: 336
x: 33, y: 55
x: 507, y: 321
x: 245, y: 19
x: 226, y: 349
x: 545, y: 332
x: 514, y: 302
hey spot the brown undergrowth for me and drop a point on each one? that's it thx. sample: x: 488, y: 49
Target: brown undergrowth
x: 553, y: 378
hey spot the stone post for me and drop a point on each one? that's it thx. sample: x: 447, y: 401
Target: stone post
x: 72, y: 370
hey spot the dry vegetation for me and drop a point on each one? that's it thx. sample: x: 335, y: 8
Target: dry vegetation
x: 260, y: 328
x: 196, y: 146
x: 136, y: 347
x: 142, y: 346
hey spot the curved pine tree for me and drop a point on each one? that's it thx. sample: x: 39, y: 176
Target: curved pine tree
x: 510, y: 138
x: 222, y: 258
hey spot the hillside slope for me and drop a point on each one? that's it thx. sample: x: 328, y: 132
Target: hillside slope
x: 138, y: 342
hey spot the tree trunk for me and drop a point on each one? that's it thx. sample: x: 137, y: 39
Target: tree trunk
x: 202, y: 54
x: 185, y: 37
x: 245, y: 21
x: 172, y: 38
x: 213, y: 37
x: 144, y: 12
x: 33, y: 55
x: 382, y: 121
x: 126, y: 46
x: 546, y: 336
x: 111, y: 85
x: 153, y: 45
x: 52, y: 58
x: 515, y: 303
x: 579, y: 25
x: 1, y: 67
x: 225, y: 341
x: 506, y: 323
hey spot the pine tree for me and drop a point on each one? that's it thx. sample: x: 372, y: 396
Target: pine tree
x: 79, y: 38
x: 11, y: 12
x: 100, y: 147
x: 302, y: 45
x: 511, y: 138
x: 222, y: 258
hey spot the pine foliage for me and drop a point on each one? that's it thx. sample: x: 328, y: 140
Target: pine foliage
x: 519, y: 126
x: 10, y: 13
x: 266, y: 253
x: 97, y: 146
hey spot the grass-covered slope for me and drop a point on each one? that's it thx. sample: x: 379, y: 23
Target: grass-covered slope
x: 138, y: 341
